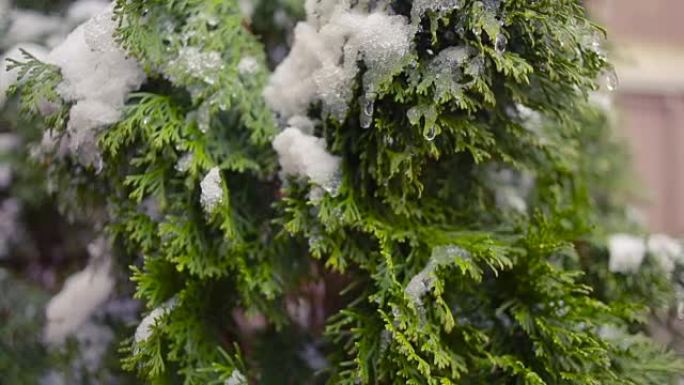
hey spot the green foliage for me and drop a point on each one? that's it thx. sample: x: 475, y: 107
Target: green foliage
x: 445, y: 282
x: 23, y: 357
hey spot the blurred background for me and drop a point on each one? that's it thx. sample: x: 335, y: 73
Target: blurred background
x: 648, y: 43
x: 647, y: 40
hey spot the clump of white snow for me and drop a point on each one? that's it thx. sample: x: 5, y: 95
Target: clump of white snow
x: 97, y: 78
x: 9, y: 77
x: 80, y: 296
x: 324, y: 59
x: 212, y: 190
x: 305, y: 155
x: 144, y: 329
x: 627, y: 252
x: 303, y: 123
x: 667, y: 251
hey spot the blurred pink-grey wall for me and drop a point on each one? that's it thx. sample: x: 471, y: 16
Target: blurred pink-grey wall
x: 648, y: 38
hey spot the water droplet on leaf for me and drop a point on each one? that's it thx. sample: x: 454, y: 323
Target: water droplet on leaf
x: 368, y: 108
x: 332, y: 186
x: 431, y: 133
x: 389, y: 140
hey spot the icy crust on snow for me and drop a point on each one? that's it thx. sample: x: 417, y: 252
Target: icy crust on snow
x: 81, y: 295
x: 97, y: 78
x: 25, y: 29
x: 305, y: 155
x: 323, y: 62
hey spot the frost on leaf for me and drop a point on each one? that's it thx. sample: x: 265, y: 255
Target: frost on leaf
x: 305, y: 155
x: 423, y: 282
x: 324, y: 60
x: 627, y: 252
x: 212, y: 190
x: 97, y: 78
x: 144, y: 329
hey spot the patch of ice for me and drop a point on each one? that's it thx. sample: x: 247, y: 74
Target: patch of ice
x: 324, y: 59
x: 212, y: 190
